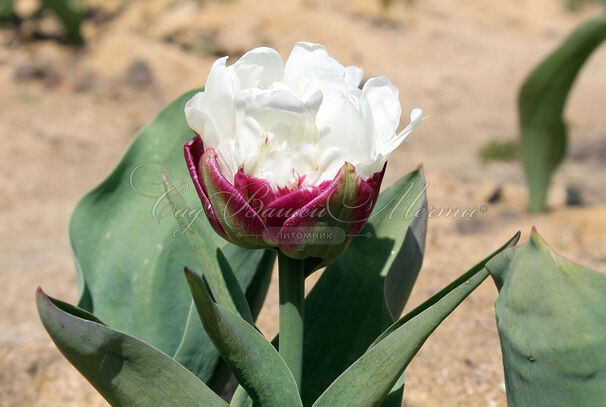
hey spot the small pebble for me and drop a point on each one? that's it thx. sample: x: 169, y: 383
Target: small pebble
x: 139, y: 74
x: 34, y: 72
x: 573, y: 196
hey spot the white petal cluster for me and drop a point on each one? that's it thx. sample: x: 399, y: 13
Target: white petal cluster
x: 296, y: 123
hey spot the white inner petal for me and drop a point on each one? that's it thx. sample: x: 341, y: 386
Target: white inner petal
x: 297, y: 122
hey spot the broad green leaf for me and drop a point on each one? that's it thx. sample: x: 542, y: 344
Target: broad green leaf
x: 71, y: 15
x: 551, y: 317
x: 125, y: 370
x: 365, y: 289
x: 223, y: 284
x: 217, y: 272
x: 368, y: 381
x: 541, y: 102
x: 130, y: 252
x: 252, y: 359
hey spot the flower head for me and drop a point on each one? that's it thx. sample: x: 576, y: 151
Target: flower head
x: 287, y: 148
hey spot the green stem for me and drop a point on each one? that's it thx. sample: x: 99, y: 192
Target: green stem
x: 292, y: 295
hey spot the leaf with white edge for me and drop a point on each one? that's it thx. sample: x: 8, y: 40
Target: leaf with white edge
x: 125, y: 371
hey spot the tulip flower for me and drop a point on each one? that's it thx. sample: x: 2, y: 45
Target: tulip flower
x: 291, y: 155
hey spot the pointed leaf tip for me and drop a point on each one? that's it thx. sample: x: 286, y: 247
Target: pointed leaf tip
x: 188, y: 271
x: 369, y: 380
x: 125, y: 370
x: 549, y: 315
x: 536, y: 239
x: 40, y: 292
x: 40, y: 296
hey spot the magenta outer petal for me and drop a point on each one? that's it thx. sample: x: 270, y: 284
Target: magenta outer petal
x: 256, y: 191
x: 287, y: 205
x: 360, y: 196
x: 193, y: 154
x: 251, y: 214
x: 239, y: 220
x: 361, y: 217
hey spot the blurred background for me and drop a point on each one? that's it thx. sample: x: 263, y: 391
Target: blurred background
x: 68, y: 112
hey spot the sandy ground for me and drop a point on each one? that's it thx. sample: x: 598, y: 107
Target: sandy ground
x: 67, y: 115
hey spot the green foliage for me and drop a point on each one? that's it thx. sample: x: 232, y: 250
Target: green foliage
x: 130, y: 276
x: 347, y: 312
x: 578, y: 4
x: 387, y: 4
x: 496, y: 150
x: 550, y: 316
x: 130, y: 253
x: 71, y: 15
x: 217, y: 272
x: 541, y: 102
x: 126, y: 371
x: 7, y: 13
x: 369, y: 380
x: 252, y: 359
x: 367, y: 286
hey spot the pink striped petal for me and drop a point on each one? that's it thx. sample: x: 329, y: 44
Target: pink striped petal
x: 256, y: 191
x: 287, y: 205
x: 241, y: 223
x: 340, y: 211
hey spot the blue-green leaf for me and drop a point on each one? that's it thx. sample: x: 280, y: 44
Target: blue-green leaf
x: 551, y: 317
x: 367, y: 287
x: 364, y: 291
x: 369, y: 380
x: 130, y: 252
x: 252, y: 359
x: 216, y: 269
x: 125, y: 370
